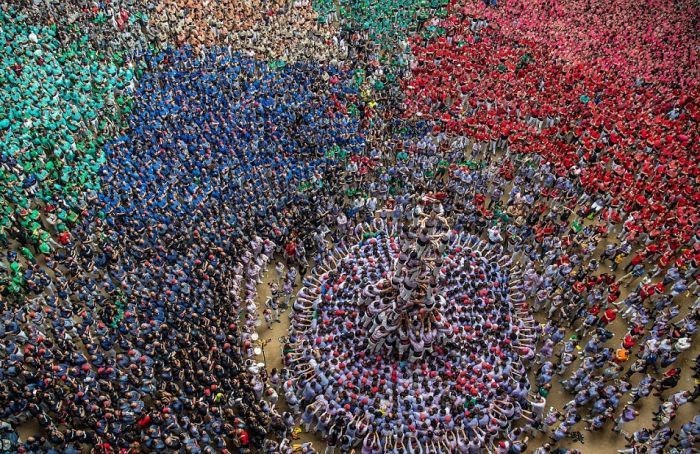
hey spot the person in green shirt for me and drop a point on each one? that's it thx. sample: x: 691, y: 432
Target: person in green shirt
x: 28, y: 254
x: 442, y: 168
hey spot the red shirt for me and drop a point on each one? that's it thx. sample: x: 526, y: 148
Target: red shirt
x: 609, y: 315
x: 637, y: 259
x: 244, y: 438
x: 64, y: 238
x: 291, y: 248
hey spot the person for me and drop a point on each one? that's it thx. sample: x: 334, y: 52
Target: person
x: 629, y: 413
x: 279, y: 272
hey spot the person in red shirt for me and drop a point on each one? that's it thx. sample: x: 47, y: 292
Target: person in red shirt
x: 144, y: 422
x: 646, y: 291
x: 64, y: 238
x: 637, y: 259
x: 243, y: 437
x: 609, y: 315
x: 628, y: 342
x: 614, y: 293
x: 290, y: 249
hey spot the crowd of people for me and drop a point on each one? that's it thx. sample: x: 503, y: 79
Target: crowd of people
x: 61, y: 101
x: 284, y: 31
x: 158, y: 157
x: 412, y: 341
x: 222, y: 162
x: 611, y: 105
x: 518, y: 203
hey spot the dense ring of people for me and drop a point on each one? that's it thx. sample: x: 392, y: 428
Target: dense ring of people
x: 158, y: 157
x: 405, y: 349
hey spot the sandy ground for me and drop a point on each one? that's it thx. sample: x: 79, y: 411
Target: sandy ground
x: 273, y: 351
